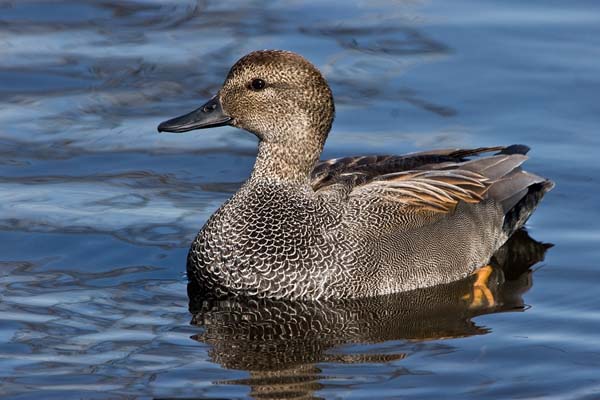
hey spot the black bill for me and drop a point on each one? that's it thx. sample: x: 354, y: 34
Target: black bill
x: 209, y: 115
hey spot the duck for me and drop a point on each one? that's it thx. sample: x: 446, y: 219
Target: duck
x: 351, y: 227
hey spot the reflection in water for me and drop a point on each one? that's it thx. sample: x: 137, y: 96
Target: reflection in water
x: 279, y: 342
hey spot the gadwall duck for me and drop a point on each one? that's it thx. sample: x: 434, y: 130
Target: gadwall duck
x: 347, y: 227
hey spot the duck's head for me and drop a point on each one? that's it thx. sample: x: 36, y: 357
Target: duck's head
x: 277, y: 95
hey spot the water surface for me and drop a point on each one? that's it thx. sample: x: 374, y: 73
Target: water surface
x: 97, y: 210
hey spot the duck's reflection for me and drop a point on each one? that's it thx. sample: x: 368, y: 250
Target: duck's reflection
x: 279, y: 342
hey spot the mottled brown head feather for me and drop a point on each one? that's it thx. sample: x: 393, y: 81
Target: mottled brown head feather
x: 292, y: 114
x: 295, y: 96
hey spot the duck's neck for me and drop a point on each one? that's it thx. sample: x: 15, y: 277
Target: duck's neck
x: 290, y: 162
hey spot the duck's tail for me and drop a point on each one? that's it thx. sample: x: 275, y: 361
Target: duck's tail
x: 517, y: 215
x: 518, y: 191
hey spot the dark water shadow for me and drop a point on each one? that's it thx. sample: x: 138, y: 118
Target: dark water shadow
x: 280, y: 342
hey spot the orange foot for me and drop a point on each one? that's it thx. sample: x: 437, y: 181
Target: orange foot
x: 481, y: 294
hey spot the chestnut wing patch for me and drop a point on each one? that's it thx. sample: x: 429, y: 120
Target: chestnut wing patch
x: 438, y: 190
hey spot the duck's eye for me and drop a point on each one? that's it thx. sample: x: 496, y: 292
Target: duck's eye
x: 257, y: 84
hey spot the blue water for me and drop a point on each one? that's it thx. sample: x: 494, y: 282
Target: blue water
x: 97, y: 210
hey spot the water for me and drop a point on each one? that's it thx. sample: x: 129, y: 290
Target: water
x: 97, y: 210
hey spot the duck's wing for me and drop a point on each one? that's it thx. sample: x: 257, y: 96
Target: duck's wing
x: 434, y: 181
x: 427, y: 191
x: 362, y: 169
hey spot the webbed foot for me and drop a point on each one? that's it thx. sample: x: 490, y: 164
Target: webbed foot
x: 481, y: 295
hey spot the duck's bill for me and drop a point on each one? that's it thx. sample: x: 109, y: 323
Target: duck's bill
x: 209, y: 115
